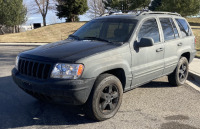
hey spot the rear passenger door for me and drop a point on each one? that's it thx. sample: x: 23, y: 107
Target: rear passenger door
x: 177, y: 38
x: 188, y: 39
x: 147, y: 62
x: 171, y: 39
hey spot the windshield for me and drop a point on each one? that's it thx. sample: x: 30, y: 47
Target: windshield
x: 111, y: 30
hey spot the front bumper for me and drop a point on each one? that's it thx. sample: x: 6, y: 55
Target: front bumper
x: 73, y: 92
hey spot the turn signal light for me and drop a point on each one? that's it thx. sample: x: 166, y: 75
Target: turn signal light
x: 80, y: 69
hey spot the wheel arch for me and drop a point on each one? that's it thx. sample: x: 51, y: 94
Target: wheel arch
x: 186, y: 55
x: 119, y: 73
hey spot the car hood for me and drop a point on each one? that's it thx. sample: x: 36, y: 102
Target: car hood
x: 68, y: 50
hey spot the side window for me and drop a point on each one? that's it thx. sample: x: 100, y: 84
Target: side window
x: 185, y: 30
x: 168, y: 31
x: 149, y: 29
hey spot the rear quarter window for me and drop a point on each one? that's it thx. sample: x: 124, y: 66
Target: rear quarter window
x: 184, y: 28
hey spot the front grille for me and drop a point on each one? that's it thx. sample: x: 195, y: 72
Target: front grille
x: 36, y: 69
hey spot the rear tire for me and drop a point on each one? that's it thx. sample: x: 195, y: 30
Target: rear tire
x: 180, y: 74
x: 105, y: 98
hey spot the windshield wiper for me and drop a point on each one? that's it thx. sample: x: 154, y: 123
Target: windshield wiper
x: 74, y: 37
x: 96, y: 38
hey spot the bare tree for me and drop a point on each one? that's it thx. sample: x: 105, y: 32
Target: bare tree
x: 53, y: 19
x: 96, y: 8
x: 42, y: 7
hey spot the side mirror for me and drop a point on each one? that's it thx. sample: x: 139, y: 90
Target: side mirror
x: 145, y: 42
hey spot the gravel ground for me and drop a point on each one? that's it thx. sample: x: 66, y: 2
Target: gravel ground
x: 156, y: 105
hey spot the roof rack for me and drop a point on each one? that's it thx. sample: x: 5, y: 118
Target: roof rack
x: 157, y: 12
x: 142, y: 12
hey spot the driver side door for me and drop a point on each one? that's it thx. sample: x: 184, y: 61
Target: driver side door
x: 147, y: 62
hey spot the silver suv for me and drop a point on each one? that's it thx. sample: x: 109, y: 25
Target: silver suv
x: 106, y: 57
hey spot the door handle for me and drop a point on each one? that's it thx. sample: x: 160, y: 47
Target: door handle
x: 159, y: 49
x: 179, y: 44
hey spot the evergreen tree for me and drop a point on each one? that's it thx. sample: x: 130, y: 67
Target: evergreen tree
x: 125, y: 5
x: 155, y: 4
x: 184, y: 7
x: 141, y: 4
x: 12, y: 13
x: 116, y: 5
x: 70, y: 9
x: 16, y: 12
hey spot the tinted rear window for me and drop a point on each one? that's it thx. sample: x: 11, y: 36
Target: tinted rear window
x: 185, y: 30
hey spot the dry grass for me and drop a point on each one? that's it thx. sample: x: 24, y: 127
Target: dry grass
x: 197, y: 35
x: 51, y: 33
x: 198, y: 54
x: 194, y: 21
x: 196, y: 31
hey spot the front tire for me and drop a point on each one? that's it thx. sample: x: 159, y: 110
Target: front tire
x: 105, y: 98
x: 180, y: 74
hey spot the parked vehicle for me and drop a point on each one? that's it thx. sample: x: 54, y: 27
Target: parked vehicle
x: 107, y: 57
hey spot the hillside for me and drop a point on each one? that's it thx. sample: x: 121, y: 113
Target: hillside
x: 51, y: 33
x: 56, y: 32
x: 194, y: 21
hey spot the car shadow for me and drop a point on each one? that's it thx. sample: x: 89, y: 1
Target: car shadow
x: 19, y: 109
x: 157, y: 84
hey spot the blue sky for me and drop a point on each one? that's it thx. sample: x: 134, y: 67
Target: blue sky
x: 51, y: 16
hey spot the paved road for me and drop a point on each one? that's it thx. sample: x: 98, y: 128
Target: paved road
x: 156, y: 105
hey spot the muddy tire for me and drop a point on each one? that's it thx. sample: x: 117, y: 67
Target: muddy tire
x: 180, y: 74
x: 105, y: 98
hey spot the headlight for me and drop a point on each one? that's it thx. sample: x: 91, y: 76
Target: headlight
x: 67, y: 71
x: 16, y: 62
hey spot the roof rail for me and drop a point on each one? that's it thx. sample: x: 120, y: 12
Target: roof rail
x: 158, y: 12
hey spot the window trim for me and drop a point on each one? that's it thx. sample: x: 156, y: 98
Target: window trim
x: 174, y: 30
x: 179, y: 31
